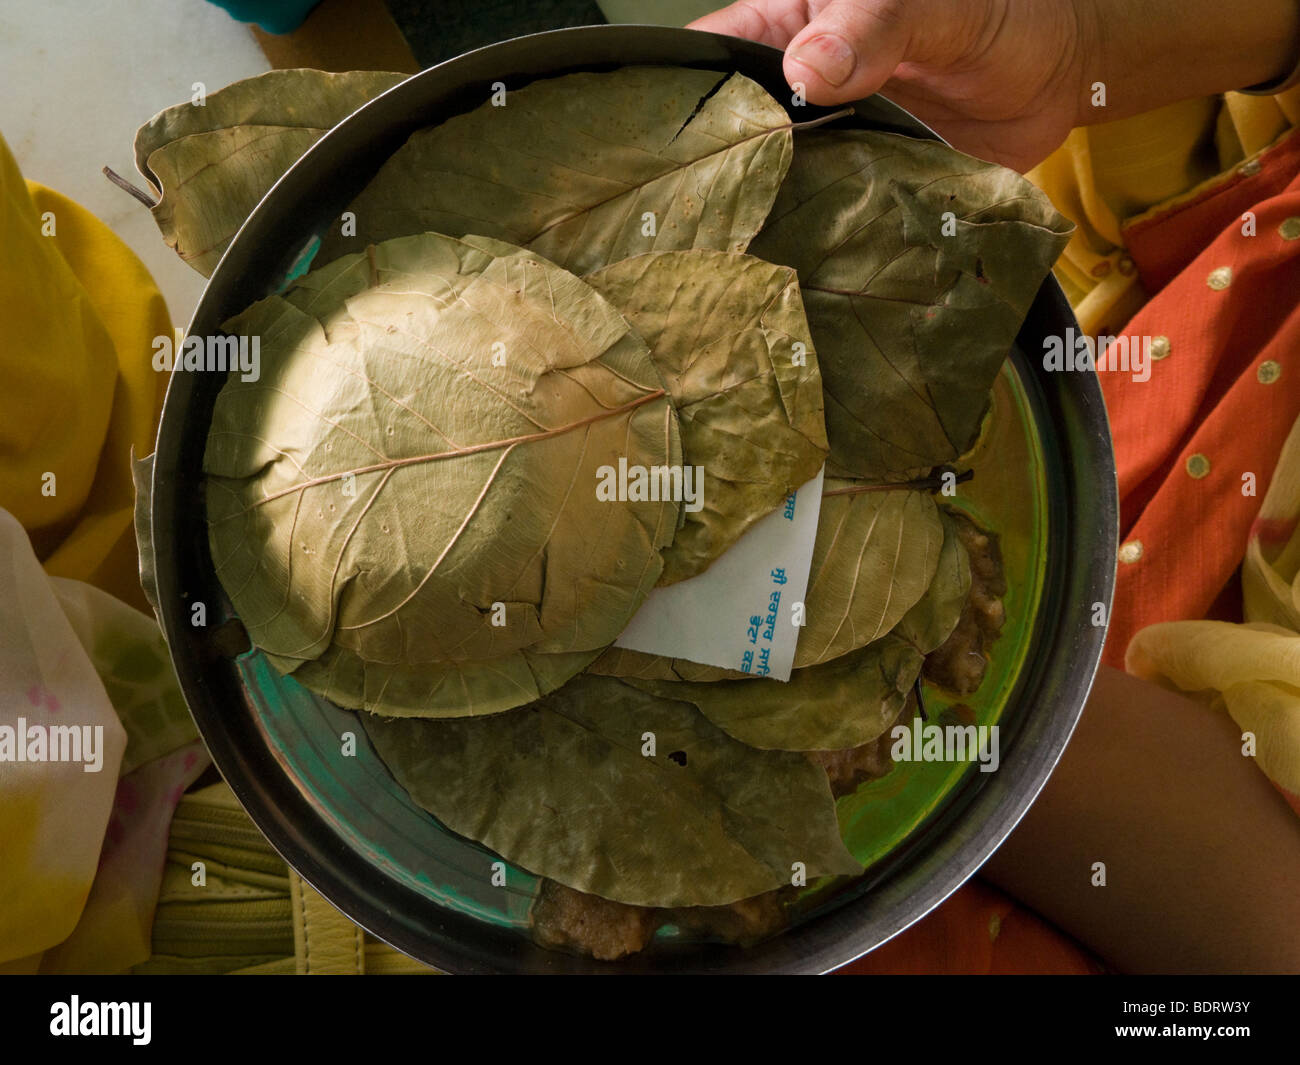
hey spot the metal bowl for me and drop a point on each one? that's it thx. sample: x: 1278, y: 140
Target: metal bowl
x: 346, y: 826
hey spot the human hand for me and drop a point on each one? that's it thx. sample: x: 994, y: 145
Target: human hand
x: 1000, y: 79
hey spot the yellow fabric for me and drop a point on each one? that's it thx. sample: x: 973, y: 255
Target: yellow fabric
x: 80, y: 314
x: 53, y: 813
x: 78, y: 874
x: 1252, y: 669
x: 252, y: 915
x: 80, y: 394
x: 325, y: 942
x: 80, y: 851
x: 1106, y: 175
x: 224, y: 905
x: 328, y: 943
x: 383, y: 960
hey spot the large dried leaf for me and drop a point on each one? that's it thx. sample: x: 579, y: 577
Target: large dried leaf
x: 728, y: 335
x: 213, y: 163
x: 570, y: 166
x: 302, y: 98
x: 562, y: 789
x: 407, y: 496
x: 846, y: 702
x: 874, y: 557
x: 918, y: 266
x: 933, y: 618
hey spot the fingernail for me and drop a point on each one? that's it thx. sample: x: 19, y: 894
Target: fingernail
x: 829, y: 55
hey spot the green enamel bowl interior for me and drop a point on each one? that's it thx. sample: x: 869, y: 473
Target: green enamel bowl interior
x: 305, y: 770
x: 1007, y: 495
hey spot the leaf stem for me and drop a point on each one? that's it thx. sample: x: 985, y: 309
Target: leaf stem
x: 920, y: 698
x: 813, y: 123
x: 121, y: 182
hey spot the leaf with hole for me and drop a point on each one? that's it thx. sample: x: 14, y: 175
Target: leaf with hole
x: 563, y: 789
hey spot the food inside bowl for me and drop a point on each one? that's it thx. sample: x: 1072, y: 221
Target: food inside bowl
x: 657, y: 270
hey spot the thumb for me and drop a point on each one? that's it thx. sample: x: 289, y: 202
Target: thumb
x: 850, y: 49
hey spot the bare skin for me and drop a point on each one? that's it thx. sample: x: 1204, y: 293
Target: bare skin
x: 1006, y: 80
x: 1202, y: 854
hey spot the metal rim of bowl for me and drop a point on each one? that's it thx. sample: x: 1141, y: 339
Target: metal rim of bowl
x: 1082, y: 523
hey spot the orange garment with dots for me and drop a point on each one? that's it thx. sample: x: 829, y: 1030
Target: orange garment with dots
x: 1196, y: 444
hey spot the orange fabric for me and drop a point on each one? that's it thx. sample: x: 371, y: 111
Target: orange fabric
x: 1208, y: 397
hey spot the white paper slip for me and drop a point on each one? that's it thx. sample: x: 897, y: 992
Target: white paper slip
x: 739, y: 612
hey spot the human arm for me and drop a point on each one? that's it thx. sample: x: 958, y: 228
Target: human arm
x: 1008, y: 79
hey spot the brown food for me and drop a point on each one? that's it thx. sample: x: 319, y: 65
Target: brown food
x: 568, y: 919
x: 959, y: 663
x: 744, y: 923
x: 854, y: 766
x: 574, y: 920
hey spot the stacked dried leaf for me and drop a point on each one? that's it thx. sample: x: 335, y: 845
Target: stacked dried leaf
x: 571, y: 788
x: 402, y: 508
x: 918, y: 265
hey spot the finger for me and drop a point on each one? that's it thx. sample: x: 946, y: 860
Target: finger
x: 771, y: 22
x: 850, y: 49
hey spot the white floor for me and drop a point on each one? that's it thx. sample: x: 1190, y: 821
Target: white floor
x: 77, y: 77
